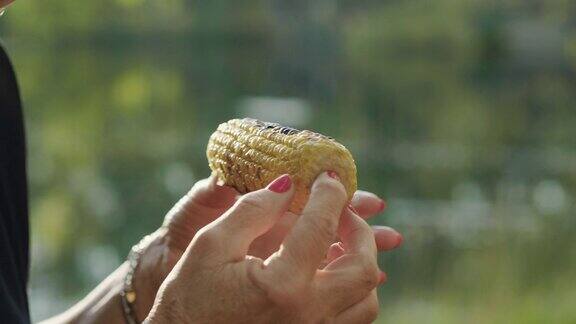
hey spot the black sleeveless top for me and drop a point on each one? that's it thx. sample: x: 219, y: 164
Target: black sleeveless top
x: 14, y: 238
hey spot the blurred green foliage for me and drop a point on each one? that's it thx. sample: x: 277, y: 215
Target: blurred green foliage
x: 460, y: 113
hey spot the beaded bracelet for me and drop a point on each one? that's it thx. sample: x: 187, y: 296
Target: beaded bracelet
x: 128, y: 294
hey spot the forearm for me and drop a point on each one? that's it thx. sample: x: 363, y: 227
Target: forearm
x: 102, y: 305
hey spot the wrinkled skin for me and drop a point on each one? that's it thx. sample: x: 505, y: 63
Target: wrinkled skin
x: 206, y: 202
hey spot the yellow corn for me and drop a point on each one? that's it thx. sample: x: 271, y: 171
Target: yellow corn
x: 247, y: 154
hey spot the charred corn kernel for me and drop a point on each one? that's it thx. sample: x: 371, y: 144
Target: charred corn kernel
x: 247, y: 154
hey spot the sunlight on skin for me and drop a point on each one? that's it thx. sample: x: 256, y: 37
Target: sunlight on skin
x: 4, y: 3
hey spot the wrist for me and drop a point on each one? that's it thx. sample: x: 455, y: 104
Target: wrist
x: 148, y: 274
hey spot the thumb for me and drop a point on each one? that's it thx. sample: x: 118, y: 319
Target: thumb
x: 251, y: 216
x: 202, y: 204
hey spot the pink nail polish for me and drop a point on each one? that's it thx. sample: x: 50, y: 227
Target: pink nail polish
x: 382, y: 205
x: 333, y: 174
x: 281, y: 184
x: 382, y: 278
x: 220, y: 183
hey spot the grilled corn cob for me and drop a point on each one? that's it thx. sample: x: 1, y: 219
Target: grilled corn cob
x: 247, y: 154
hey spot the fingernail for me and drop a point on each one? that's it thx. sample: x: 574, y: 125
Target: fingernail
x: 217, y: 180
x: 281, y: 184
x: 333, y: 174
x: 399, y: 240
x: 382, y: 278
x: 382, y: 205
x: 352, y: 209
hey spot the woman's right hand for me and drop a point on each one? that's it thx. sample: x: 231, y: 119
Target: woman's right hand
x: 216, y: 281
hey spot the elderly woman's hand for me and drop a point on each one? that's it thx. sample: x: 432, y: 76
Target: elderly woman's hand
x: 207, y: 201
x: 204, y: 203
x: 217, y: 280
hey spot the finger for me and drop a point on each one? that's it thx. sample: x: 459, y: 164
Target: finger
x: 335, y: 251
x: 306, y: 245
x: 206, y: 198
x: 210, y: 194
x: 367, y: 204
x: 255, y: 213
x: 356, y: 235
x: 366, y: 311
x: 386, y: 238
x: 346, y: 281
x: 354, y: 275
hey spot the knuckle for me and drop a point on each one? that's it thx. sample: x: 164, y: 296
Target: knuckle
x: 251, y: 204
x: 322, y: 225
x: 362, y: 230
x: 205, y: 239
x: 288, y: 295
x: 368, y: 273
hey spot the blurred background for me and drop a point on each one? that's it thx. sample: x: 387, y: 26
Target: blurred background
x: 460, y: 113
